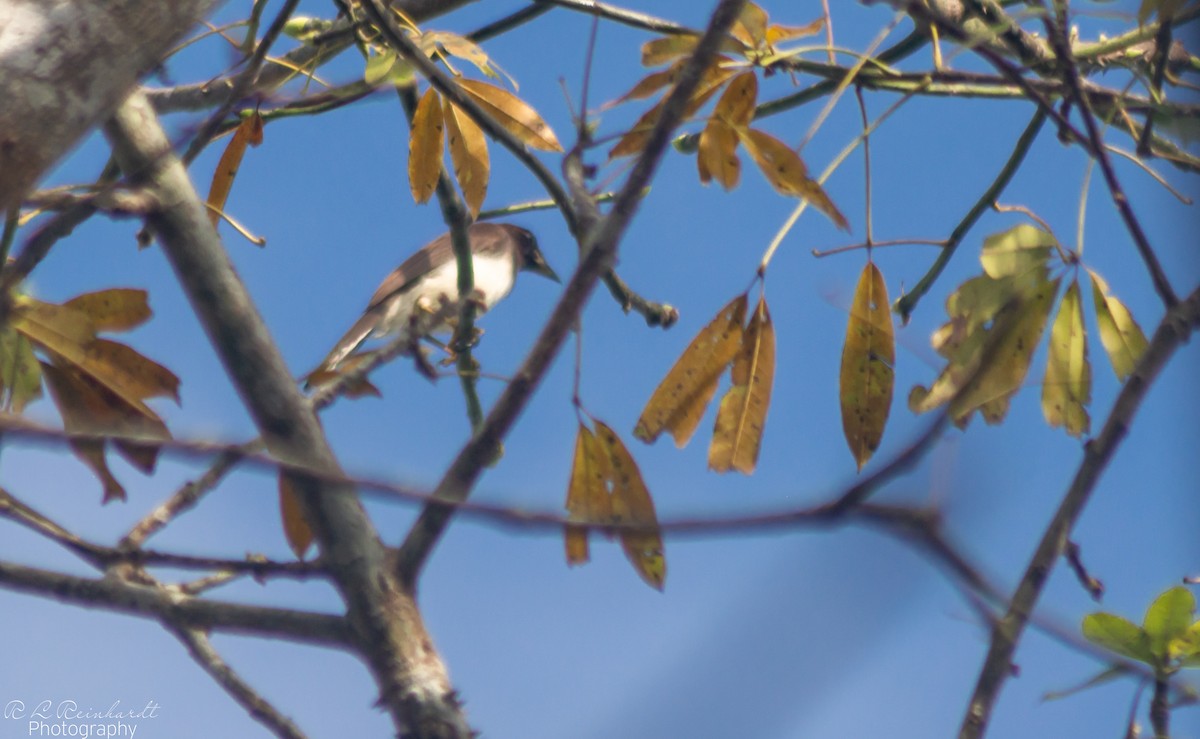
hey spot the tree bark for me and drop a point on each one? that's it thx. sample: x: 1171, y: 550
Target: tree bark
x: 64, y: 67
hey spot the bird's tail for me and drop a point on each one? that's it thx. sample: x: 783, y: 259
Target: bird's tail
x: 346, y: 345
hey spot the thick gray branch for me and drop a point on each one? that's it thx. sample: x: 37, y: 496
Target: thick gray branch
x: 413, y: 682
x: 64, y: 66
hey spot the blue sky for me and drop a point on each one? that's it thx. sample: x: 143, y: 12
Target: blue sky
x: 834, y: 633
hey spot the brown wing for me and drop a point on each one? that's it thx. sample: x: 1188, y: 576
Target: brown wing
x: 484, y: 237
x: 425, y: 260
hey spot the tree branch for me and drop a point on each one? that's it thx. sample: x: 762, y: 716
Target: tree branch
x: 390, y: 635
x: 1175, y: 328
x: 113, y: 594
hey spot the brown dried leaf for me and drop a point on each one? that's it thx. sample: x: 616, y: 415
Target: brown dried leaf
x: 296, y: 530
x: 588, y: 499
x: 751, y: 26
x: 88, y: 407
x: 633, y: 141
x: 867, y: 378
x: 736, y: 104
x: 632, y: 504
x: 786, y: 172
x: 717, y: 156
x: 461, y: 47
x: 653, y: 82
x: 513, y: 114
x: 425, y: 146
x: 127, y: 373
x: 50, y: 325
x: 661, y: 50
x: 678, y: 403
x: 115, y: 309
x: 248, y: 133
x: 468, y: 150
x: 737, y: 435
x: 777, y: 33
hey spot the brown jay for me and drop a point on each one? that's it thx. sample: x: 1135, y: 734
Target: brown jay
x: 421, y: 296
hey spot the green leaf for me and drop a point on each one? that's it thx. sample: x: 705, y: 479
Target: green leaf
x: 1189, y: 652
x: 20, y: 374
x: 379, y: 66
x: 1118, y: 635
x: 1168, y: 619
x: 1121, y: 336
x: 1021, y: 250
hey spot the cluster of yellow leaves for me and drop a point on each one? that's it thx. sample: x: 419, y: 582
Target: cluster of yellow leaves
x: 729, y: 124
x: 606, y: 488
x: 680, y: 400
x: 100, y: 386
x: 437, y: 120
x: 867, y: 377
x: 996, y: 322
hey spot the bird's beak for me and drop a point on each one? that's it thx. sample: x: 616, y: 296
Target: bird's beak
x: 538, y: 266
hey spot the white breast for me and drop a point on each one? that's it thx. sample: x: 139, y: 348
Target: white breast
x: 437, y: 295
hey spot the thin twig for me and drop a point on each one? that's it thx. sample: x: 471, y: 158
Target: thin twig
x: 113, y: 594
x: 242, y: 84
x: 1071, y: 76
x: 908, y: 302
x: 202, y: 651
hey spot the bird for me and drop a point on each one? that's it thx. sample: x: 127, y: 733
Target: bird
x: 420, y: 297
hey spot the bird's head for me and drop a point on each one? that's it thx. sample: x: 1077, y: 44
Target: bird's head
x: 531, y: 256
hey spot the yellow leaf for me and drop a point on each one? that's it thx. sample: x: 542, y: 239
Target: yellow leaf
x: 1121, y: 336
x: 717, y: 155
x: 513, y: 114
x: 51, y: 325
x: 20, y: 375
x: 994, y: 328
x: 1005, y: 361
x: 751, y: 26
x: 1021, y: 250
x: 633, y: 141
x: 736, y: 104
x: 660, y: 50
x: 468, y: 150
x: 653, y: 82
x: 460, y: 47
x: 116, y: 309
x: 632, y: 505
x: 248, y: 133
x: 786, y: 172
x: 680, y: 399
x: 737, y: 435
x: 1068, y: 386
x: 379, y: 66
x: 588, y: 499
x: 867, y: 376
x: 425, y: 147
x: 778, y: 33
x: 296, y: 530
